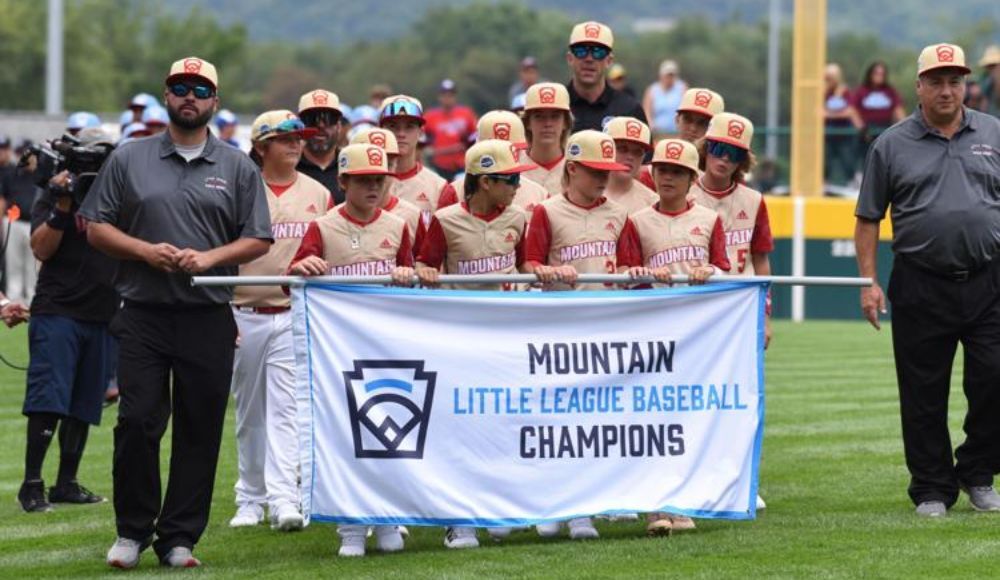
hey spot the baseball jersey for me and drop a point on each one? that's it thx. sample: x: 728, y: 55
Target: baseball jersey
x: 548, y: 175
x: 292, y: 209
x: 421, y: 187
x: 529, y: 194
x: 410, y: 214
x: 356, y: 248
x: 638, y: 197
x: 744, y: 221
x: 585, y: 237
x: 678, y: 241
x: 466, y: 243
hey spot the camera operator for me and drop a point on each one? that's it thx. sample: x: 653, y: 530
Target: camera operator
x: 68, y: 338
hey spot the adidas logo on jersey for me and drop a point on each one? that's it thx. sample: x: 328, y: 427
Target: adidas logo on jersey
x: 509, y: 238
x: 696, y: 231
x: 742, y: 215
x: 312, y: 208
x: 422, y: 197
x: 610, y: 227
x: 386, y: 244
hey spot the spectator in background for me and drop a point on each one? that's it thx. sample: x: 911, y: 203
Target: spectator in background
x: 527, y: 76
x: 975, y: 99
x: 662, y: 98
x: 155, y: 119
x: 841, y: 146
x: 227, y: 123
x: 376, y: 95
x: 990, y: 80
x: 137, y: 105
x: 18, y: 190
x: 81, y: 120
x: 448, y: 129
x: 878, y: 103
x: 618, y: 79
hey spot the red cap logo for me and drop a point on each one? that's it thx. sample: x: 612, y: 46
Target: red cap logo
x: 736, y: 129
x: 515, y: 153
x: 320, y: 98
x: 633, y: 130
x: 945, y: 53
x: 192, y: 65
x: 547, y: 95
x: 592, y: 30
x: 607, y: 149
x: 374, y: 156
x: 673, y: 150
x: 702, y: 98
x: 377, y: 138
x: 501, y: 131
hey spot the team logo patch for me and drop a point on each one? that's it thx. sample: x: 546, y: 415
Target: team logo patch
x: 633, y: 130
x: 501, y: 131
x: 592, y: 30
x: 736, y: 129
x: 574, y: 150
x: 547, y: 95
x: 192, y: 65
x: 702, y: 98
x: 389, y: 402
x: 343, y: 161
x: 486, y: 161
x: 742, y: 215
x: 608, y: 149
x: 375, y: 156
x: 320, y: 98
x: 377, y: 138
x: 386, y: 244
x: 945, y: 53
x: 216, y: 183
x: 673, y: 150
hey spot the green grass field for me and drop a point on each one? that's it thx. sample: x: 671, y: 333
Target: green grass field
x: 832, y: 474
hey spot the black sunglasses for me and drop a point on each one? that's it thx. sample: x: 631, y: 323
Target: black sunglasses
x: 200, y: 91
x: 511, y: 179
x: 595, y: 50
x: 313, y: 117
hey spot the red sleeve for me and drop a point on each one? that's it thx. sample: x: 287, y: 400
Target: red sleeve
x: 312, y: 244
x: 448, y: 196
x: 519, y: 252
x: 646, y: 177
x: 536, y: 247
x: 433, y: 246
x: 418, y: 238
x: 629, y: 246
x: 717, y: 248
x: 762, y: 242
x: 404, y: 257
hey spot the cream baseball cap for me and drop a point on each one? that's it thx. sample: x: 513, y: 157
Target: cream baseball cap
x: 629, y: 129
x: 593, y: 149
x: 944, y: 55
x: 494, y: 157
x: 991, y: 56
x: 730, y: 128
x: 378, y: 137
x: 193, y: 66
x: 277, y: 123
x: 546, y: 96
x: 592, y: 33
x: 702, y: 101
x: 319, y: 99
x: 503, y: 125
x: 361, y: 159
x: 676, y: 152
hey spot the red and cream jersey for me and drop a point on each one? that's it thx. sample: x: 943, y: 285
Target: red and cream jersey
x: 529, y: 194
x: 460, y: 242
x: 678, y: 241
x: 419, y: 186
x: 585, y: 237
x: 356, y: 248
x: 292, y: 209
x: 548, y: 175
x: 744, y: 221
x: 638, y: 197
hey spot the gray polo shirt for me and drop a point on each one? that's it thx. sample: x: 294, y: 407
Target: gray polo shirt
x: 147, y: 190
x: 944, y: 193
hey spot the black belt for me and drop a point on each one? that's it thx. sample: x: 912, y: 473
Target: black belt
x: 951, y: 275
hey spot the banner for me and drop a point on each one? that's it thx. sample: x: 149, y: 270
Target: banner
x: 438, y: 407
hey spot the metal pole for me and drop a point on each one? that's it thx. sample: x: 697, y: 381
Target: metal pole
x: 773, y: 73
x: 54, y: 60
x: 516, y: 279
x: 798, y: 256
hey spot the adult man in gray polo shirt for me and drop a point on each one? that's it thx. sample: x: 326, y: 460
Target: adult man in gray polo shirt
x: 170, y: 206
x: 939, y: 169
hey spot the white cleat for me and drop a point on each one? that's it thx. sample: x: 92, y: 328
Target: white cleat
x: 124, y: 554
x: 286, y: 518
x: 388, y: 539
x: 352, y: 541
x: 549, y: 529
x: 582, y: 529
x: 760, y: 503
x: 499, y: 533
x: 458, y: 538
x: 247, y: 515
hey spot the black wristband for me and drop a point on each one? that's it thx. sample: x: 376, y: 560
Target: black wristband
x: 59, y: 220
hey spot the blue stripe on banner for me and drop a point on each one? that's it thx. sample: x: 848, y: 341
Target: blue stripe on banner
x: 759, y: 436
x: 388, y: 384
x: 678, y: 291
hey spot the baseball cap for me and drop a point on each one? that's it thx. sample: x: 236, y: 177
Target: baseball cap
x: 943, y: 55
x: 378, y: 137
x: 359, y: 159
x: 126, y: 117
x: 135, y: 130
x: 518, y: 102
x: 592, y: 33
x: 82, y: 120
x: 193, y: 66
x: 494, y: 157
x: 278, y: 122
x: 447, y: 85
x: 319, y: 99
x: 94, y: 136
x: 593, y: 149
x: 4, y: 141
x: 676, y: 152
x: 155, y: 116
x: 529, y: 62
x: 364, y: 114
x: 669, y: 67
x: 546, y: 96
x: 730, y: 128
x: 991, y: 56
x: 143, y: 100
x: 702, y: 101
x: 401, y: 106
x: 629, y: 129
x: 502, y: 125
x: 224, y: 118
x: 617, y: 71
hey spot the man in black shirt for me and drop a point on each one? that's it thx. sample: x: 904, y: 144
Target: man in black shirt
x: 591, y: 99
x: 321, y: 110
x: 18, y: 189
x: 68, y: 341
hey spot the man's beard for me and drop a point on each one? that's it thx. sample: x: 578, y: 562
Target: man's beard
x: 190, y: 123
x: 324, y: 146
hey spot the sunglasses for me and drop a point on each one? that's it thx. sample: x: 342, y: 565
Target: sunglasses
x: 595, y: 50
x: 401, y: 109
x: 184, y: 89
x: 720, y: 150
x: 286, y: 126
x: 314, y: 117
x: 511, y: 179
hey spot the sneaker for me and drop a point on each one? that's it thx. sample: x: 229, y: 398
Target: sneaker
x: 460, y: 537
x: 73, y: 492
x: 352, y: 541
x: 549, y: 530
x: 32, y: 496
x: 286, y: 518
x: 983, y: 498
x: 499, y: 533
x: 247, y: 515
x: 403, y: 531
x: 124, y: 553
x: 932, y: 509
x: 659, y: 524
x: 388, y: 539
x: 628, y: 517
x: 760, y: 503
x: 582, y: 529
x: 681, y: 523
x: 180, y: 557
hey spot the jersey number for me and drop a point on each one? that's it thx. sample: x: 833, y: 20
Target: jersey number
x: 741, y: 260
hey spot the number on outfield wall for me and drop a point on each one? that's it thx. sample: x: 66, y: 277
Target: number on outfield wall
x: 842, y: 249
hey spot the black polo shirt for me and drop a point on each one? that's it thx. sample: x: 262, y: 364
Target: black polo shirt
x: 328, y: 177
x: 611, y: 103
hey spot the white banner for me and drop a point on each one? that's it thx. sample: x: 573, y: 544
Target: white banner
x: 435, y: 407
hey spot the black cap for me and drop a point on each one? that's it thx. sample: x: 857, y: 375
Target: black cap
x: 4, y: 142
